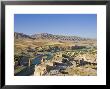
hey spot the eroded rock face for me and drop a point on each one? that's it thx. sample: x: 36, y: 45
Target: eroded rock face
x: 39, y: 70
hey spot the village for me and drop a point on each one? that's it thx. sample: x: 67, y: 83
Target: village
x: 55, y: 45
x: 58, y: 62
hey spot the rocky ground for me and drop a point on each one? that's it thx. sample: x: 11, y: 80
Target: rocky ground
x: 71, y: 56
x: 60, y: 66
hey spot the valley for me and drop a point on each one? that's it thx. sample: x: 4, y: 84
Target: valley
x: 54, y: 55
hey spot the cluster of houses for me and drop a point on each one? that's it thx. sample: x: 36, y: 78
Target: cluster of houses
x: 58, y: 67
x: 53, y: 68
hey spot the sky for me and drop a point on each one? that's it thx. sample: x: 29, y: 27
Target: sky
x: 83, y: 25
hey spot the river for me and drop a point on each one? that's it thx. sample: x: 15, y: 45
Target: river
x: 30, y: 70
x: 38, y: 58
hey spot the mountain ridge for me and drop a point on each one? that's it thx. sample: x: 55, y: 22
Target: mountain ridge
x: 50, y: 37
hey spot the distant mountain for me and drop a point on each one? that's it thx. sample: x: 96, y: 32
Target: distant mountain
x: 42, y: 35
x: 58, y: 37
x: 21, y: 36
x: 49, y: 37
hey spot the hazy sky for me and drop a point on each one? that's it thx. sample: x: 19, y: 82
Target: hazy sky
x: 84, y: 25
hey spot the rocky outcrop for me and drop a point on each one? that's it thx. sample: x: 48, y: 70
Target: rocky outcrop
x: 40, y: 70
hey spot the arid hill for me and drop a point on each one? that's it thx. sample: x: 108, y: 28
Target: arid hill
x: 50, y: 37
